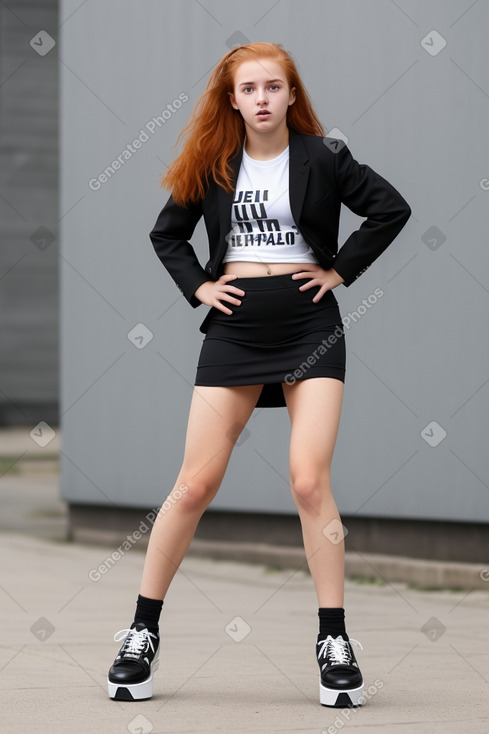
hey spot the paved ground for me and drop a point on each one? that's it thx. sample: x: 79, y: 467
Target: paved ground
x: 237, y: 640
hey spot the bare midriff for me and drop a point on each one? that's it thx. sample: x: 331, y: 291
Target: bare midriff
x: 252, y: 269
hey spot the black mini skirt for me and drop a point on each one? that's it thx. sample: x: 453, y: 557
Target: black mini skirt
x: 277, y: 334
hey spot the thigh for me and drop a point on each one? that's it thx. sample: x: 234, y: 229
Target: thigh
x: 216, y: 418
x: 314, y: 407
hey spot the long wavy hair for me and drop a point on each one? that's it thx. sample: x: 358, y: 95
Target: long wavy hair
x: 216, y: 131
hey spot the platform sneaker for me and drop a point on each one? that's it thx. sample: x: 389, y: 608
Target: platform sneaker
x: 131, y: 676
x: 340, y: 679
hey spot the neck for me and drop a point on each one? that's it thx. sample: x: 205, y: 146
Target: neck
x: 264, y: 146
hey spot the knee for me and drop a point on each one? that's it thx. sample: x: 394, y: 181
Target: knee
x: 309, y: 489
x: 193, y: 495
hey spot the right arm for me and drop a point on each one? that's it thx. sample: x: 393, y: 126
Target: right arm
x: 174, y: 227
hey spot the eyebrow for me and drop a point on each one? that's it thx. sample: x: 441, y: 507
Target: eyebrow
x: 241, y: 84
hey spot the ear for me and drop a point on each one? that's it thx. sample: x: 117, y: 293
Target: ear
x: 292, y: 96
x: 232, y: 99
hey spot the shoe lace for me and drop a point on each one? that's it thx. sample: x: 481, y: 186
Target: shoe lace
x: 337, y: 649
x: 135, y: 640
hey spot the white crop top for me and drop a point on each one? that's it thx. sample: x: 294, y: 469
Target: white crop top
x: 262, y: 226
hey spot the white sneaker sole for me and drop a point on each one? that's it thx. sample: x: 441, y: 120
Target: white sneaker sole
x: 135, y: 691
x: 340, y: 698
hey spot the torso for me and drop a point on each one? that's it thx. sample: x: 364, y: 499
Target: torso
x: 252, y: 269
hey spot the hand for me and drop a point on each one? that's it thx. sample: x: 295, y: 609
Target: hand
x: 327, y: 279
x: 212, y: 292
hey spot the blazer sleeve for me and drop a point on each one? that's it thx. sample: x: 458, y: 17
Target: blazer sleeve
x: 369, y: 195
x: 174, y: 227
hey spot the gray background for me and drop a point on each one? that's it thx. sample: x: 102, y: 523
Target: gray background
x: 418, y: 355
x: 29, y: 325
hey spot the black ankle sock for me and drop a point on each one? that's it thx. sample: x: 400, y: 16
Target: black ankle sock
x: 331, y: 622
x: 148, y: 611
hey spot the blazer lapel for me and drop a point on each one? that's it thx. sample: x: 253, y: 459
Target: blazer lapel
x: 298, y: 174
x: 225, y: 201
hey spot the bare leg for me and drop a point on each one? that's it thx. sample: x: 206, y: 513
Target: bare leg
x: 216, y: 418
x: 314, y: 407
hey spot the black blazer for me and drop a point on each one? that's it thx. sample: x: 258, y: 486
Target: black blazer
x: 322, y: 176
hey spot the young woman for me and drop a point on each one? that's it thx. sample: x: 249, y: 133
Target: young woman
x: 257, y: 166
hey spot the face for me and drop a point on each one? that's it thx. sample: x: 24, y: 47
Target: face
x: 261, y: 94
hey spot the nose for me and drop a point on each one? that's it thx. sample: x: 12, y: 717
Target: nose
x: 261, y: 96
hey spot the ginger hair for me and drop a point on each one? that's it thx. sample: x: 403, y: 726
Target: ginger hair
x: 216, y: 131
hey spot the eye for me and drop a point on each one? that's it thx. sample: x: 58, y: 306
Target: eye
x: 245, y: 88
x: 274, y: 86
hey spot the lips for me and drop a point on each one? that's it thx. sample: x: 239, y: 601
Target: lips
x: 263, y: 113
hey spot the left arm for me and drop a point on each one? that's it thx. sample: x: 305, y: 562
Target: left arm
x: 367, y: 194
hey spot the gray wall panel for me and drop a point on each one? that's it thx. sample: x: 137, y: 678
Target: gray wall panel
x: 29, y: 324
x: 418, y: 355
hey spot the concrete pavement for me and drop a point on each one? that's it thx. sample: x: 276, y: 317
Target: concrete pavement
x: 237, y: 649
x: 238, y: 640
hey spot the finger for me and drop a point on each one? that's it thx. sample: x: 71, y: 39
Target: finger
x: 222, y: 308
x: 233, y: 288
x: 305, y: 274
x: 229, y: 278
x: 308, y: 285
x: 227, y: 297
x: 320, y: 294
